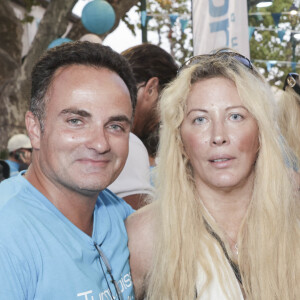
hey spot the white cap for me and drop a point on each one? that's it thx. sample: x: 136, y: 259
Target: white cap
x: 90, y: 37
x: 18, y: 141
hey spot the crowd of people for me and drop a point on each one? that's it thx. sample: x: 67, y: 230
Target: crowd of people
x: 83, y: 215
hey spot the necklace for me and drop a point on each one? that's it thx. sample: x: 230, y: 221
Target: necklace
x: 236, y: 249
x: 233, y: 244
x: 233, y: 265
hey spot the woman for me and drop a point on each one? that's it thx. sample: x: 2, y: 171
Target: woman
x: 226, y: 222
x: 289, y: 112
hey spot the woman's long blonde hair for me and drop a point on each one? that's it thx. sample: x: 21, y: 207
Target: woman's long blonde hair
x: 269, y: 239
x: 289, y: 119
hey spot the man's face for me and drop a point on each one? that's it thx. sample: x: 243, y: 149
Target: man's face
x: 84, y: 145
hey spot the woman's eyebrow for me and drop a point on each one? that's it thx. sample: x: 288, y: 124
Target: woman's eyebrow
x: 197, y: 109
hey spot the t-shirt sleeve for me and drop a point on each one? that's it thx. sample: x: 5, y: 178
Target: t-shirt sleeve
x: 14, y: 279
x: 128, y: 209
x: 123, y: 208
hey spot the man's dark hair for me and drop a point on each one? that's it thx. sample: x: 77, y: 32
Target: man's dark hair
x: 149, y: 61
x: 75, y: 53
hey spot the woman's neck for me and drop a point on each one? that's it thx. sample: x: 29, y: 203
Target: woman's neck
x: 228, y: 208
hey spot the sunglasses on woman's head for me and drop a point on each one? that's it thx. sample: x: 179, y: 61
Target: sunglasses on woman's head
x: 223, y: 52
x: 291, y: 81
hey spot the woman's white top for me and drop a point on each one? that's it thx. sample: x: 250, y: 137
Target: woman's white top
x: 214, y: 290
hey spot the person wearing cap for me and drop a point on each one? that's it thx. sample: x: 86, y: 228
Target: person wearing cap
x: 4, y: 170
x: 19, y: 149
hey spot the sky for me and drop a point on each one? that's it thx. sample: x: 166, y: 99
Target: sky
x: 121, y: 38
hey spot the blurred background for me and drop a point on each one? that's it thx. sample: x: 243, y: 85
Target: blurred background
x: 269, y: 31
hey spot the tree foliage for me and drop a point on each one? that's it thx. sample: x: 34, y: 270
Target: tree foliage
x: 15, y: 70
x: 266, y: 45
x: 180, y: 41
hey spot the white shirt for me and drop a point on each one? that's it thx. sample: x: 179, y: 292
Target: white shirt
x: 135, y: 176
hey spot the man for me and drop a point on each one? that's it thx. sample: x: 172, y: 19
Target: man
x: 153, y: 69
x: 19, y: 151
x: 60, y: 238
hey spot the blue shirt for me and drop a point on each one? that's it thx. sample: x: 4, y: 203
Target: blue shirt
x: 45, y: 256
x: 13, y: 167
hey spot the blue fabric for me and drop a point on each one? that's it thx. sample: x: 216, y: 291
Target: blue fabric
x: 44, y: 256
x: 13, y: 167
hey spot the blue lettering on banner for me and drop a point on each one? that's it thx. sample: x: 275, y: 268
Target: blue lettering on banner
x: 218, y: 11
x: 232, y: 19
x: 234, y: 42
x: 222, y: 25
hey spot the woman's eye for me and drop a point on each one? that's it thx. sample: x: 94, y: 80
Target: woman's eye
x: 199, y: 120
x: 236, y: 117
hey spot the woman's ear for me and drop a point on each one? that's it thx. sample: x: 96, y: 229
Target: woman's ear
x: 34, y: 129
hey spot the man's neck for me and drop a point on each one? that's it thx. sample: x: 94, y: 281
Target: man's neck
x: 76, y: 207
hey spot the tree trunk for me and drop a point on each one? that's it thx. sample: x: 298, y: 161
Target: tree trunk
x: 15, y: 72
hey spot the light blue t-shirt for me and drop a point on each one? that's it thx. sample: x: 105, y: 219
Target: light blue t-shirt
x: 13, y: 168
x: 45, y: 256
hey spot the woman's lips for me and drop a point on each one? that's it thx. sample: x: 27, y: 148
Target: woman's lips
x: 221, y: 161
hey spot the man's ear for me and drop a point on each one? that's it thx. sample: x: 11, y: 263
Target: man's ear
x: 152, y: 89
x: 33, y: 129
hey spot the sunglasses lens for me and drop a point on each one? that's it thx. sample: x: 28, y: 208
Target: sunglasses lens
x: 290, y: 80
x: 192, y: 61
x: 244, y: 60
x: 196, y: 59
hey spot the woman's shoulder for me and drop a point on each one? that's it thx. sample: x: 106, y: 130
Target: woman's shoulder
x: 141, y: 233
x: 141, y: 228
x: 142, y: 219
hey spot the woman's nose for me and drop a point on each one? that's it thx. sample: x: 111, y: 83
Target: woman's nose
x: 219, y: 134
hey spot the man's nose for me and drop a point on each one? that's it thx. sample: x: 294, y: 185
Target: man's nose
x: 98, y: 140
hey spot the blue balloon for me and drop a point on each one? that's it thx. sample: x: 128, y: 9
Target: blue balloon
x: 58, y: 42
x: 98, y: 17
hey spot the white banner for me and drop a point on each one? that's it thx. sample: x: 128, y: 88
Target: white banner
x: 220, y: 23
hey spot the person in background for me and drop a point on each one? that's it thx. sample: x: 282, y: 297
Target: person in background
x: 19, y: 153
x: 4, y: 170
x: 62, y: 234
x: 153, y: 69
x: 225, y: 224
x: 289, y: 113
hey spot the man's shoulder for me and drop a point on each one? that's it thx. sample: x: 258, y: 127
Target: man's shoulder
x: 10, y: 190
x: 16, y: 202
x: 113, y: 203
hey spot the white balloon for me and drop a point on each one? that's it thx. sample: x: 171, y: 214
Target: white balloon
x: 90, y: 37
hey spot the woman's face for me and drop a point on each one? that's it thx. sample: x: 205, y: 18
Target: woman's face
x: 219, y: 135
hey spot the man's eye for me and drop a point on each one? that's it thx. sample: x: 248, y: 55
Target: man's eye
x: 74, y: 121
x: 116, y: 127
